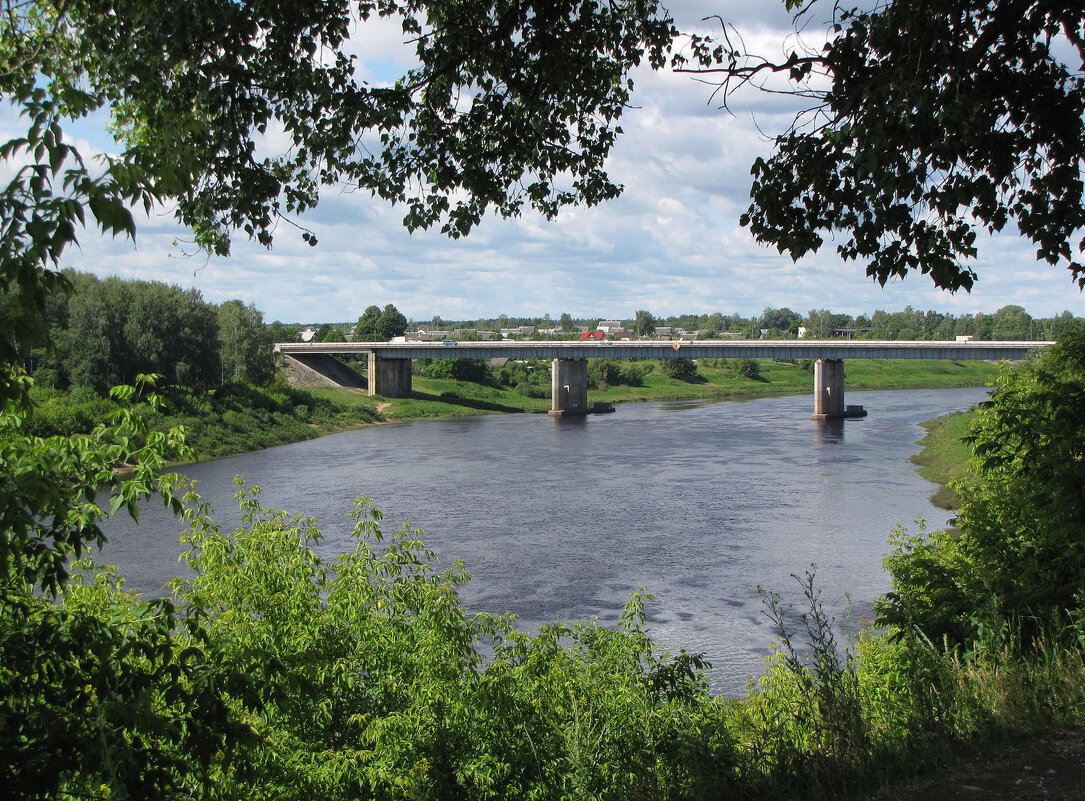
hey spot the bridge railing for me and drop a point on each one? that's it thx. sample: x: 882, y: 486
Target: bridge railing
x: 670, y: 349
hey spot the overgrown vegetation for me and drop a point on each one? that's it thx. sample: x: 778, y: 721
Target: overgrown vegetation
x: 1018, y: 555
x: 276, y: 671
x: 476, y: 370
x: 363, y: 676
x: 681, y: 369
x: 233, y: 418
x: 604, y: 373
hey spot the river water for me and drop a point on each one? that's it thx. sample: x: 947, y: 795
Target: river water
x: 699, y: 502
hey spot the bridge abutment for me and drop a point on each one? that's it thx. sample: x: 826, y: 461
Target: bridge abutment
x: 389, y: 378
x: 569, y: 387
x: 828, y: 390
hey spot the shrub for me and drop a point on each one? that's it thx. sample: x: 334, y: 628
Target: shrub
x: 523, y: 372
x: 529, y: 390
x: 1018, y: 559
x: 747, y: 368
x: 476, y: 370
x: 615, y: 373
x: 368, y: 672
x: 680, y: 368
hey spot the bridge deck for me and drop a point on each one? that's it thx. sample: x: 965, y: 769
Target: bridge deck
x: 721, y: 349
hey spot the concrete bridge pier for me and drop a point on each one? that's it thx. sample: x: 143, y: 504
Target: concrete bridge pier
x: 569, y: 386
x: 389, y: 378
x: 828, y: 390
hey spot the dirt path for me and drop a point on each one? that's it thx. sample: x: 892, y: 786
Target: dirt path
x: 1050, y: 767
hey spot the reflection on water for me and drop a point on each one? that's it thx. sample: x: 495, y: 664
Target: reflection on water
x: 700, y: 503
x: 831, y: 432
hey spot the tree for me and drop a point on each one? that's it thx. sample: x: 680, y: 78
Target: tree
x: 391, y: 323
x: 936, y: 121
x: 368, y: 329
x: 546, y: 99
x: 476, y: 370
x: 782, y: 319
x: 1018, y: 556
x: 95, y: 353
x: 820, y: 323
x: 615, y: 373
x: 644, y: 323
x: 566, y: 323
x: 1012, y: 322
x: 1054, y: 328
x: 715, y: 322
x: 747, y: 368
x: 244, y: 344
x: 191, y: 92
x: 281, y: 332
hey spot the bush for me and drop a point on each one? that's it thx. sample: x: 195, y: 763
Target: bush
x: 65, y: 414
x: 529, y: 390
x: 520, y: 373
x: 476, y: 370
x: 747, y: 368
x: 1018, y: 559
x: 367, y: 672
x: 680, y: 368
x: 615, y: 373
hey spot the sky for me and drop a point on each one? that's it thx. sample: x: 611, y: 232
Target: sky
x: 671, y: 244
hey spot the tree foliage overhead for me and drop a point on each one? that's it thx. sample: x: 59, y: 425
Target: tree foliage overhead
x: 506, y: 104
x: 929, y: 123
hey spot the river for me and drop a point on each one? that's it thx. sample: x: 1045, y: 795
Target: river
x: 699, y: 502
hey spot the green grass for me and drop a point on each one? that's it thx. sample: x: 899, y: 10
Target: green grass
x: 917, y: 374
x: 945, y: 456
x: 446, y: 398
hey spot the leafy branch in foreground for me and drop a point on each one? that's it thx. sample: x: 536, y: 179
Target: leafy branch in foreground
x: 925, y: 124
x: 501, y: 106
x: 52, y: 488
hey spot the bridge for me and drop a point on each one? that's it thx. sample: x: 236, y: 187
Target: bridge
x: 390, y: 362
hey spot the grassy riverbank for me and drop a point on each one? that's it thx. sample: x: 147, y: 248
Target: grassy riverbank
x: 238, y: 417
x: 234, y: 418
x: 945, y: 455
x: 434, y: 397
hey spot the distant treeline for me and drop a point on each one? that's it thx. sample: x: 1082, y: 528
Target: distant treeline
x: 110, y: 330
x: 1009, y: 322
